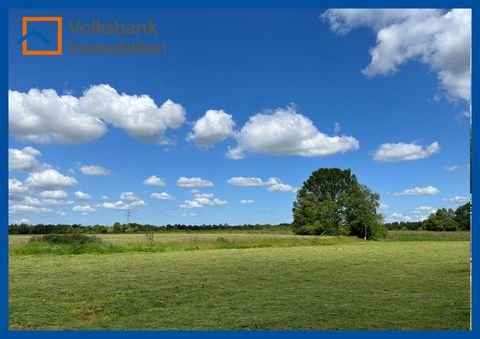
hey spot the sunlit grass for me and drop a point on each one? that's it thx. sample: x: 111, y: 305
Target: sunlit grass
x: 346, y: 285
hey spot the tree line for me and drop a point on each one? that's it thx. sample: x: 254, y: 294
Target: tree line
x: 137, y: 228
x: 441, y: 220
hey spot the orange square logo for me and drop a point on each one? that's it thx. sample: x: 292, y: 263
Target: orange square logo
x: 25, y: 34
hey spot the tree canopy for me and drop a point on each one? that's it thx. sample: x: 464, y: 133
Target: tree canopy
x: 332, y: 202
x: 441, y: 220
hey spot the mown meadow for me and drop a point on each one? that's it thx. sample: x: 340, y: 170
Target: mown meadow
x: 244, y: 281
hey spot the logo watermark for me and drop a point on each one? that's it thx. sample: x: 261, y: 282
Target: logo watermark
x: 82, y: 30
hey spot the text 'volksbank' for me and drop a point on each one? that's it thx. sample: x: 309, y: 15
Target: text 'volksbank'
x: 115, y: 28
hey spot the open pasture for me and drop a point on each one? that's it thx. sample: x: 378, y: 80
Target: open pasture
x: 259, y: 282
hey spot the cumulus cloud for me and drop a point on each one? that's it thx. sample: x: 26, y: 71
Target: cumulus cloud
x: 440, y: 39
x: 129, y: 196
x: 429, y: 190
x: 94, y: 170
x: 55, y: 194
x: 281, y: 188
x: 401, y: 152
x: 118, y: 205
x: 82, y: 195
x: 27, y: 205
x: 128, y: 200
x: 49, y: 180
x: 16, y: 186
x: 250, y: 182
x: 200, y: 200
x: 43, y: 116
x: 162, y: 196
x: 154, y: 181
x: 23, y: 160
x: 84, y: 210
x: 456, y: 199
x: 213, y: 127
x: 425, y: 209
x: 416, y: 215
x: 105, y: 197
x: 247, y: 201
x: 384, y: 206
x: 22, y: 208
x: 137, y: 203
x: 56, y: 202
x: 274, y: 184
x: 286, y: 132
x: 193, y: 182
x: 191, y: 204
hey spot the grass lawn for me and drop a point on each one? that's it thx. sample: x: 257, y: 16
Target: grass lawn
x: 334, y: 284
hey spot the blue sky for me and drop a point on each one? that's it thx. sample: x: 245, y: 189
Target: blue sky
x: 286, y: 94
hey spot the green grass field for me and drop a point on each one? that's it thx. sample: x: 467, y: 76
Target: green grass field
x: 244, y: 281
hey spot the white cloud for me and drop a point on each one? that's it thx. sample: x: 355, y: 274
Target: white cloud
x: 43, y: 116
x: 281, y: 188
x: 56, y: 202
x: 104, y: 197
x: 84, y: 209
x: 200, y: 200
x: 94, y: 170
x: 154, y: 181
x: 286, y: 132
x: 213, y: 127
x: 441, y: 39
x: 246, y: 182
x: 22, y: 221
x: 129, y: 196
x: 395, y: 216
x: 55, y: 194
x: 128, y: 200
x: 119, y: 205
x: 16, y: 186
x: 456, y: 199
x: 452, y: 168
x: 274, y: 184
x: 384, y: 206
x: 425, y: 209
x: 23, y: 160
x: 193, y: 182
x: 247, y: 201
x: 401, y: 152
x: 82, y: 195
x: 139, y: 116
x: 429, y: 190
x: 191, y: 204
x: 137, y: 203
x: 49, y: 179
x: 28, y: 205
x: 32, y: 201
x: 162, y: 196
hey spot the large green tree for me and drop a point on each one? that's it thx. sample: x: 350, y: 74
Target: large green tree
x: 441, y: 220
x: 462, y: 217
x: 332, y: 202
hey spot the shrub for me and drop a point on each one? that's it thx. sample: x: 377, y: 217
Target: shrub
x: 75, y: 239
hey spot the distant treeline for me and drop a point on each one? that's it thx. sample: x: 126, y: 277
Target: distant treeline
x: 137, y: 228
x: 442, y: 220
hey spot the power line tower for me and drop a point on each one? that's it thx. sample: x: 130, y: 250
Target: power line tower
x: 128, y: 215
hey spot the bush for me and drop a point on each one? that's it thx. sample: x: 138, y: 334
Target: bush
x: 75, y: 239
